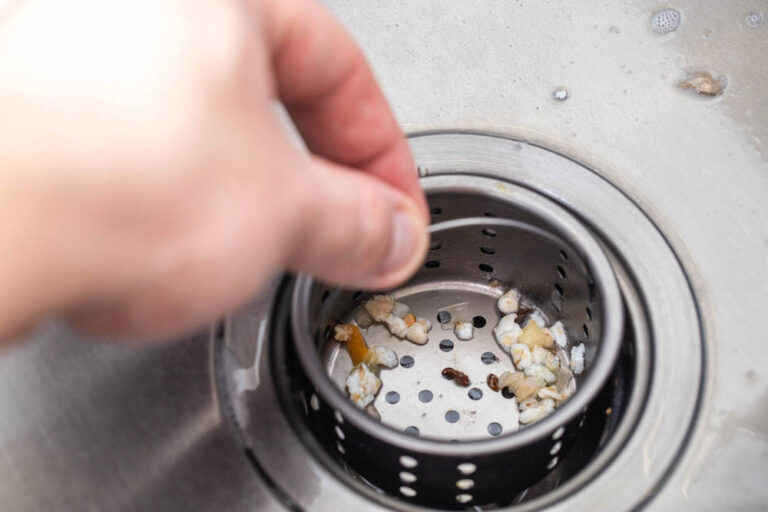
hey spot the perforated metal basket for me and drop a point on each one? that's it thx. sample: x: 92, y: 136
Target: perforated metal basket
x: 439, y: 444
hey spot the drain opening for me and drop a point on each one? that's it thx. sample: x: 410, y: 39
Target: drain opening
x: 599, y: 427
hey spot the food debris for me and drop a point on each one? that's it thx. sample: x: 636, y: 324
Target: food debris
x: 397, y: 317
x: 534, y: 335
x: 540, y: 372
x: 521, y: 356
x: 558, y: 333
x: 353, y: 340
x: 363, y: 383
x: 702, y: 82
x: 521, y: 385
x: 609, y: 411
x: 536, y: 317
x: 507, y: 331
x: 577, y: 358
x: 464, y: 330
x: 460, y: 378
x: 379, y: 356
x: 533, y: 414
x: 509, y: 302
x: 380, y: 307
x: 544, y: 376
x: 493, y: 382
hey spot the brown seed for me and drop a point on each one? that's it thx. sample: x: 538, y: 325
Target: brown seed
x: 460, y: 378
x: 493, y: 382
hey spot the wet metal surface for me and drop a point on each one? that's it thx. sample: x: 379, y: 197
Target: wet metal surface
x: 105, y: 427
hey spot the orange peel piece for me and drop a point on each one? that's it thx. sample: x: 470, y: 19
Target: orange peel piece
x: 352, y: 338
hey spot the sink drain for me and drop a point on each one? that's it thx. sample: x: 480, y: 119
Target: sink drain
x: 633, y: 431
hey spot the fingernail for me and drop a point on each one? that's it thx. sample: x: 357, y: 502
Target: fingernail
x: 403, y: 243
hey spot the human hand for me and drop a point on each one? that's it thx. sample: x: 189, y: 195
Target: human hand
x: 146, y: 182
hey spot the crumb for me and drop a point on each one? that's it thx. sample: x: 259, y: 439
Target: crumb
x: 577, y: 359
x: 464, y: 330
x: 509, y: 302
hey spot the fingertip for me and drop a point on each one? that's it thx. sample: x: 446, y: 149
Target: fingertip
x: 409, y: 238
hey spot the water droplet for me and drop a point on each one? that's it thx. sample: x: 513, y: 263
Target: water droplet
x: 560, y: 94
x: 665, y: 20
x: 754, y: 19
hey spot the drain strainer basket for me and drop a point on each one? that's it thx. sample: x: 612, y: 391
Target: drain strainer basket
x: 438, y: 444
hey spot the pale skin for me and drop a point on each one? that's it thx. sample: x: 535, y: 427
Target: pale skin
x: 147, y: 185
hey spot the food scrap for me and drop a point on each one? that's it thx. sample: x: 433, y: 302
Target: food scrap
x: 465, y: 331
x: 509, y: 302
x: 460, y: 378
x: 544, y: 375
x: 363, y: 383
x: 703, y: 83
x: 397, y: 317
x: 493, y: 382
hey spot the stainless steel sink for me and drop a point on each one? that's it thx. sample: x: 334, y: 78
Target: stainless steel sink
x: 674, y: 181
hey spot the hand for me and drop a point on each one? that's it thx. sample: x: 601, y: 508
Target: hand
x: 146, y: 182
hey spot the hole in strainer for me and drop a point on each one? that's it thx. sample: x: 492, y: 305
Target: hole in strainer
x: 425, y: 395
x: 412, y: 431
x: 406, y: 361
x: 466, y: 468
x: 478, y: 321
x: 487, y: 250
x: 494, y: 429
x: 392, y: 397
x: 436, y: 211
x: 475, y: 393
x: 488, y: 358
x: 452, y: 416
x: 432, y: 264
x: 446, y: 345
x: 489, y: 232
x: 485, y: 267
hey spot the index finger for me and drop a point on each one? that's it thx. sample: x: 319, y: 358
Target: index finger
x: 332, y: 96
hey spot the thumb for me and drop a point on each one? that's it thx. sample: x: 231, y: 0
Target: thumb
x: 357, y: 230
